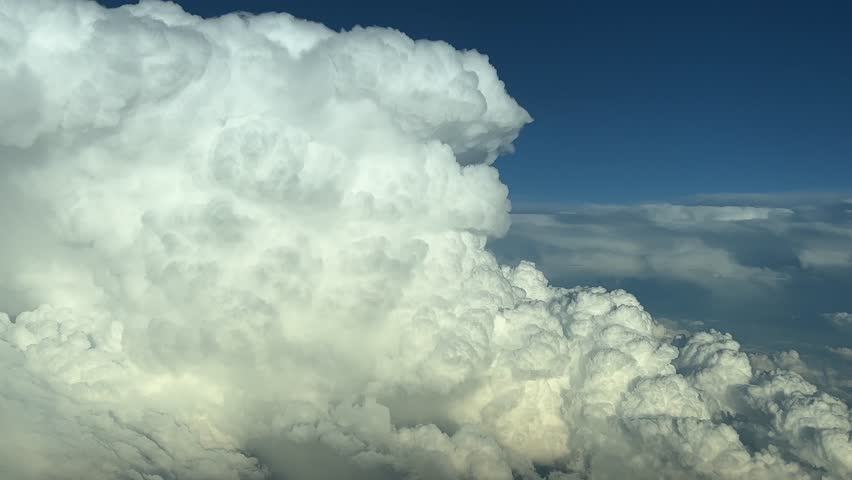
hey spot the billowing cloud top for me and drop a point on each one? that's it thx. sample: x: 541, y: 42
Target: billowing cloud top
x: 250, y: 247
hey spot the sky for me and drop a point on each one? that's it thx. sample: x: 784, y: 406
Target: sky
x: 646, y: 101
x: 252, y: 246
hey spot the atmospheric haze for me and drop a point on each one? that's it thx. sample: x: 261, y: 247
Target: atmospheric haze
x: 250, y: 247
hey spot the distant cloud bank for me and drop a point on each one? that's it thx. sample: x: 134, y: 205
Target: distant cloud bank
x: 712, y: 262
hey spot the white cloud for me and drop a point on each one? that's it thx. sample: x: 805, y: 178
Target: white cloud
x: 592, y: 245
x: 251, y: 247
x: 845, y: 352
x: 839, y: 319
x: 751, y: 267
x: 825, y: 257
x: 701, y: 214
x: 830, y: 376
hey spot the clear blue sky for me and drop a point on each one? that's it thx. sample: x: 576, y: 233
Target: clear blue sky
x: 650, y: 100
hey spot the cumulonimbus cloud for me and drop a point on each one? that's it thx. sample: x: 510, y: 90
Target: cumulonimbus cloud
x: 250, y: 247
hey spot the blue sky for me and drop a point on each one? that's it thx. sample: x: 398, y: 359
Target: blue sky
x: 638, y: 101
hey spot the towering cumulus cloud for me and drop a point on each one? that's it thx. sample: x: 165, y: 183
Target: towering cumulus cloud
x: 250, y: 247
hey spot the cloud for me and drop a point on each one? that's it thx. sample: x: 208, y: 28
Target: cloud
x: 658, y: 241
x: 825, y: 372
x: 250, y: 247
x: 839, y: 319
x: 715, y: 263
x: 845, y: 352
x: 707, y: 215
x: 821, y: 258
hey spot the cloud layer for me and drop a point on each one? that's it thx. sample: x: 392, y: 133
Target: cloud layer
x: 728, y: 262
x: 719, y: 250
x: 250, y: 247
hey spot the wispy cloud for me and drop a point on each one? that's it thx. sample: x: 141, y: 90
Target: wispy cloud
x: 840, y: 319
